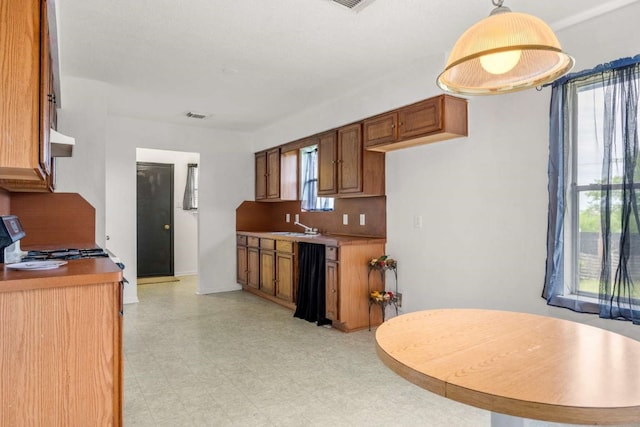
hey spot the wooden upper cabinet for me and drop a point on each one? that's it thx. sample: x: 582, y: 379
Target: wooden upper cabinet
x: 261, y: 175
x: 273, y: 174
x: 276, y: 175
x: 345, y: 168
x: 26, y: 90
x: 434, y: 119
x: 327, y: 157
x: 350, y: 159
x: 268, y: 174
x: 381, y: 129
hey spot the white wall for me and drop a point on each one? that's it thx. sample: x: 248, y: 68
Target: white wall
x: 483, y: 198
x: 226, y: 179
x: 83, y: 116
x: 185, y: 223
x: 104, y: 172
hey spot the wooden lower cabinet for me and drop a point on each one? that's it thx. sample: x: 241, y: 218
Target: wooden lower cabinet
x: 242, y: 269
x: 61, y: 350
x: 346, y: 287
x: 272, y: 273
x: 332, y: 280
x: 268, y: 266
x: 286, y: 271
x: 253, y: 262
x: 253, y: 268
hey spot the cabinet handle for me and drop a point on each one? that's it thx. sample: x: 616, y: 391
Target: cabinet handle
x: 401, y: 124
x: 333, y: 291
x: 393, y: 125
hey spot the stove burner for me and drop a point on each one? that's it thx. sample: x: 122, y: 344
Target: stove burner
x: 64, y: 254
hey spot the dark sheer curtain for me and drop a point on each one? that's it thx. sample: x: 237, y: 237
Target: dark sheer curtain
x: 190, y: 199
x: 310, y: 302
x: 310, y: 181
x: 310, y: 199
x: 615, y: 93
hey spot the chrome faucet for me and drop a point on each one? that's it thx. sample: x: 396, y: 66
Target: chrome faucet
x: 307, y: 230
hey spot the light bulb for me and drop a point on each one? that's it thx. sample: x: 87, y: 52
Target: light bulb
x: 501, y: 62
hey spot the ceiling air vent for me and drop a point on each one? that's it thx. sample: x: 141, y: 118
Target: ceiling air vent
x: 353, y: 4
x: 194, y: 115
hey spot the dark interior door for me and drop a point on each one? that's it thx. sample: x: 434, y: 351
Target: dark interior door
x: 155, y: 219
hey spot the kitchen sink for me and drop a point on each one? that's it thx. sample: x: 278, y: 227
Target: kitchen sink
x: 293, y: 234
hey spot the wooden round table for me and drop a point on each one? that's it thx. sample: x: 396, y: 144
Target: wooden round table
x: 517, y: 364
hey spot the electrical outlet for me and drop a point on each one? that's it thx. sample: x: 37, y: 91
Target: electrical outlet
x: 399, y: 299
x: 417, y: 221
x: 297, y: 218
x: 362, y: 219
x: 287, y: 217
x: 345, y: 219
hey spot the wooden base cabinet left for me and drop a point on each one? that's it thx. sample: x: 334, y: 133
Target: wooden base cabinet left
x: 61, y: 345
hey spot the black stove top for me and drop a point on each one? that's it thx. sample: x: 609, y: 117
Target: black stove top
x: 65, y: 254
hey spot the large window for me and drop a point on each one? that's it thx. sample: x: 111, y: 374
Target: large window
x: 593, y: 262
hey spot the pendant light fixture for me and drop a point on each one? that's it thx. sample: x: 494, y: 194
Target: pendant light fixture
x: 505, y: 52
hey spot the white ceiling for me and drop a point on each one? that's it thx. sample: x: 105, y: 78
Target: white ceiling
x: 250, y: 63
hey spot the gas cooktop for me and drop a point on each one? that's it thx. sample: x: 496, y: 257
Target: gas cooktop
x: 65, y: 254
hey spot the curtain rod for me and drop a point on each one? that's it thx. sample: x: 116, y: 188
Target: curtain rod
x: 607, y: 66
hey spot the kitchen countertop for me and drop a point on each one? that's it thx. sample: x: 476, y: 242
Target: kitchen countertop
x: 322, y: 239
x: 76, y: 272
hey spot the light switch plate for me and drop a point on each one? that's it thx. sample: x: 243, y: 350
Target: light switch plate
x: 362, y: 219
x: 417, y: 221
x: 345, y: 219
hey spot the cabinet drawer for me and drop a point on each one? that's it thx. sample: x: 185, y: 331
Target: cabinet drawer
x: 284, y: 246
x: 254, y: 242
x: 267, y: 244
x: 241, y: 239
x: 331, y: 253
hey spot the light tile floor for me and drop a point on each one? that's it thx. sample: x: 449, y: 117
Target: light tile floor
x: 233, y: 359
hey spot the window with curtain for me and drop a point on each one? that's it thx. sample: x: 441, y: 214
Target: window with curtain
x: 190, y: 199
x: 593, y: 241
x: 309, y: 182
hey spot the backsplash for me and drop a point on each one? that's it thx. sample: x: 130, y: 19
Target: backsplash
x: 271, y: 216
x: 5, y: 202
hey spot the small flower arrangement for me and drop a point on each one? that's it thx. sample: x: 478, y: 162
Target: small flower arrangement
x: 382, y: 262
x: 381, y: 296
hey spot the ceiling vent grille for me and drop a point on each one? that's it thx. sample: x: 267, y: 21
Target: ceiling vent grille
x: 194, y: 115
x: 353, y: 4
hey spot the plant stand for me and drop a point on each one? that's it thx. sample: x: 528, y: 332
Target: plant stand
x: 386, y: 298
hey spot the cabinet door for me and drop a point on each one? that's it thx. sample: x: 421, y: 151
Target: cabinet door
x: 331, y: 290
x: 241, y: 265
x: 350, y: 159
x: 253, y: 268
x: 327, y: 152
x: 47, y: 97
x: 380, y: 130
x: 285, y: 277
x: 61, y: 356
x: 267, y: 272
x: 20, y: 90
x: 261, y: 176
x: 420, y: 119
x: 273, y: 174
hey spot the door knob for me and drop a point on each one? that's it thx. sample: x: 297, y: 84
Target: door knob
x: 166, y: 226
